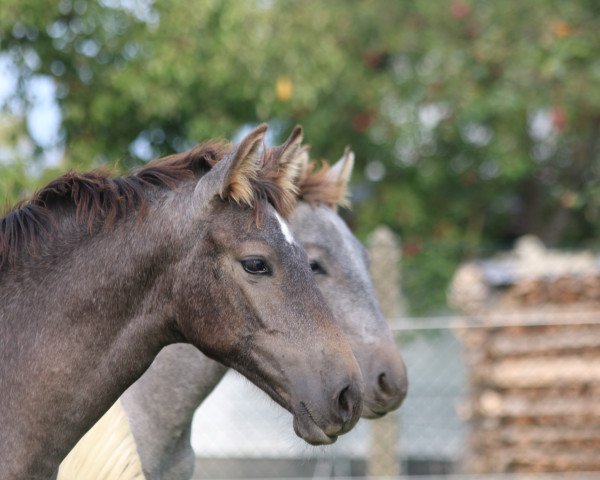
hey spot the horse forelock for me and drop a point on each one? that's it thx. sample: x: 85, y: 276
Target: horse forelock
x: 317, y: 186
x: 272, y: 185
x: 275, y: 183
x: 100, y: 199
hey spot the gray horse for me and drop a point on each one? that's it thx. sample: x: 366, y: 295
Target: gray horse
x: 98, y: 274
x: 147, y: 433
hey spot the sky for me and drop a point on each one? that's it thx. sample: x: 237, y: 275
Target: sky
x: 43, y: 117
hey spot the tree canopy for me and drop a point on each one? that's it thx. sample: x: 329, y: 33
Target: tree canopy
x: 473, y: 122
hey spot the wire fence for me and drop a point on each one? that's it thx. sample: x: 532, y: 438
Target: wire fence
x: 533, y: 410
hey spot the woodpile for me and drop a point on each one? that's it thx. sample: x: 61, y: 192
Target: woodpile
x: 532, y: 348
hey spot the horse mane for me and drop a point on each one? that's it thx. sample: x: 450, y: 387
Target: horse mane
x: 100, y: 199
x: 318, y: 187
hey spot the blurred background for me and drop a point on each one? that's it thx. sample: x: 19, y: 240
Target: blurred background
x: 474, y: 123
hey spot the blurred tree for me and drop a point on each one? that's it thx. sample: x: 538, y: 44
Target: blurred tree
x: 473, y: 121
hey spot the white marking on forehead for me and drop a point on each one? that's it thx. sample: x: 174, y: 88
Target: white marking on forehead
x: 285, y: 229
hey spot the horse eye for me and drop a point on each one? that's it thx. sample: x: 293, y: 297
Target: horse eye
x: 316, y: 267
x: 256, y: 266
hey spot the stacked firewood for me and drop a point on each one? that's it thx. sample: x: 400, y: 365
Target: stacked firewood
x: 532, y: 349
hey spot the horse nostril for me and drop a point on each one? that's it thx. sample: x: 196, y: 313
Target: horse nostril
x: 349, y: 405
x: 343, y: 403
x: 391, y: 388
x: 384, y: 386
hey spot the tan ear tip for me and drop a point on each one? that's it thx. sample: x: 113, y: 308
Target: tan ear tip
x: 262, y: 128
x: 348, y: 155
x: 297, y: 134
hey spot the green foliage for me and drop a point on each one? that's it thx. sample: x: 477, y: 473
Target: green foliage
x: 427, y: 268
x: 483, y: 115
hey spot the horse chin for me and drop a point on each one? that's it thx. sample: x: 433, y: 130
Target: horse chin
x: 370, y: 414
x: 310, y: 432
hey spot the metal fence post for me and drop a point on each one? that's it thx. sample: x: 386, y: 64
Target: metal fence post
x: 385, y: 254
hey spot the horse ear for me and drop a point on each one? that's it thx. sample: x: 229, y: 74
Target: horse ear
x: 303, y: 159
x: 292, y: 158
x: 341, y: 171
x: 232, y: 177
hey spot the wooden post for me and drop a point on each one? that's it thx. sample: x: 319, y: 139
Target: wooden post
x: 385, y: 253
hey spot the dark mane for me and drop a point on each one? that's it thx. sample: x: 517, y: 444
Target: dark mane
x: 99, y: 199
x: 277, y: 183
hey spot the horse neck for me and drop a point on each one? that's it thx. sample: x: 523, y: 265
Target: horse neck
x: 161, y: 404
x: 88, y: 323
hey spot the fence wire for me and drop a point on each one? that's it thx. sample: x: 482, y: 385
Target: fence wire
x: 504, y: 396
